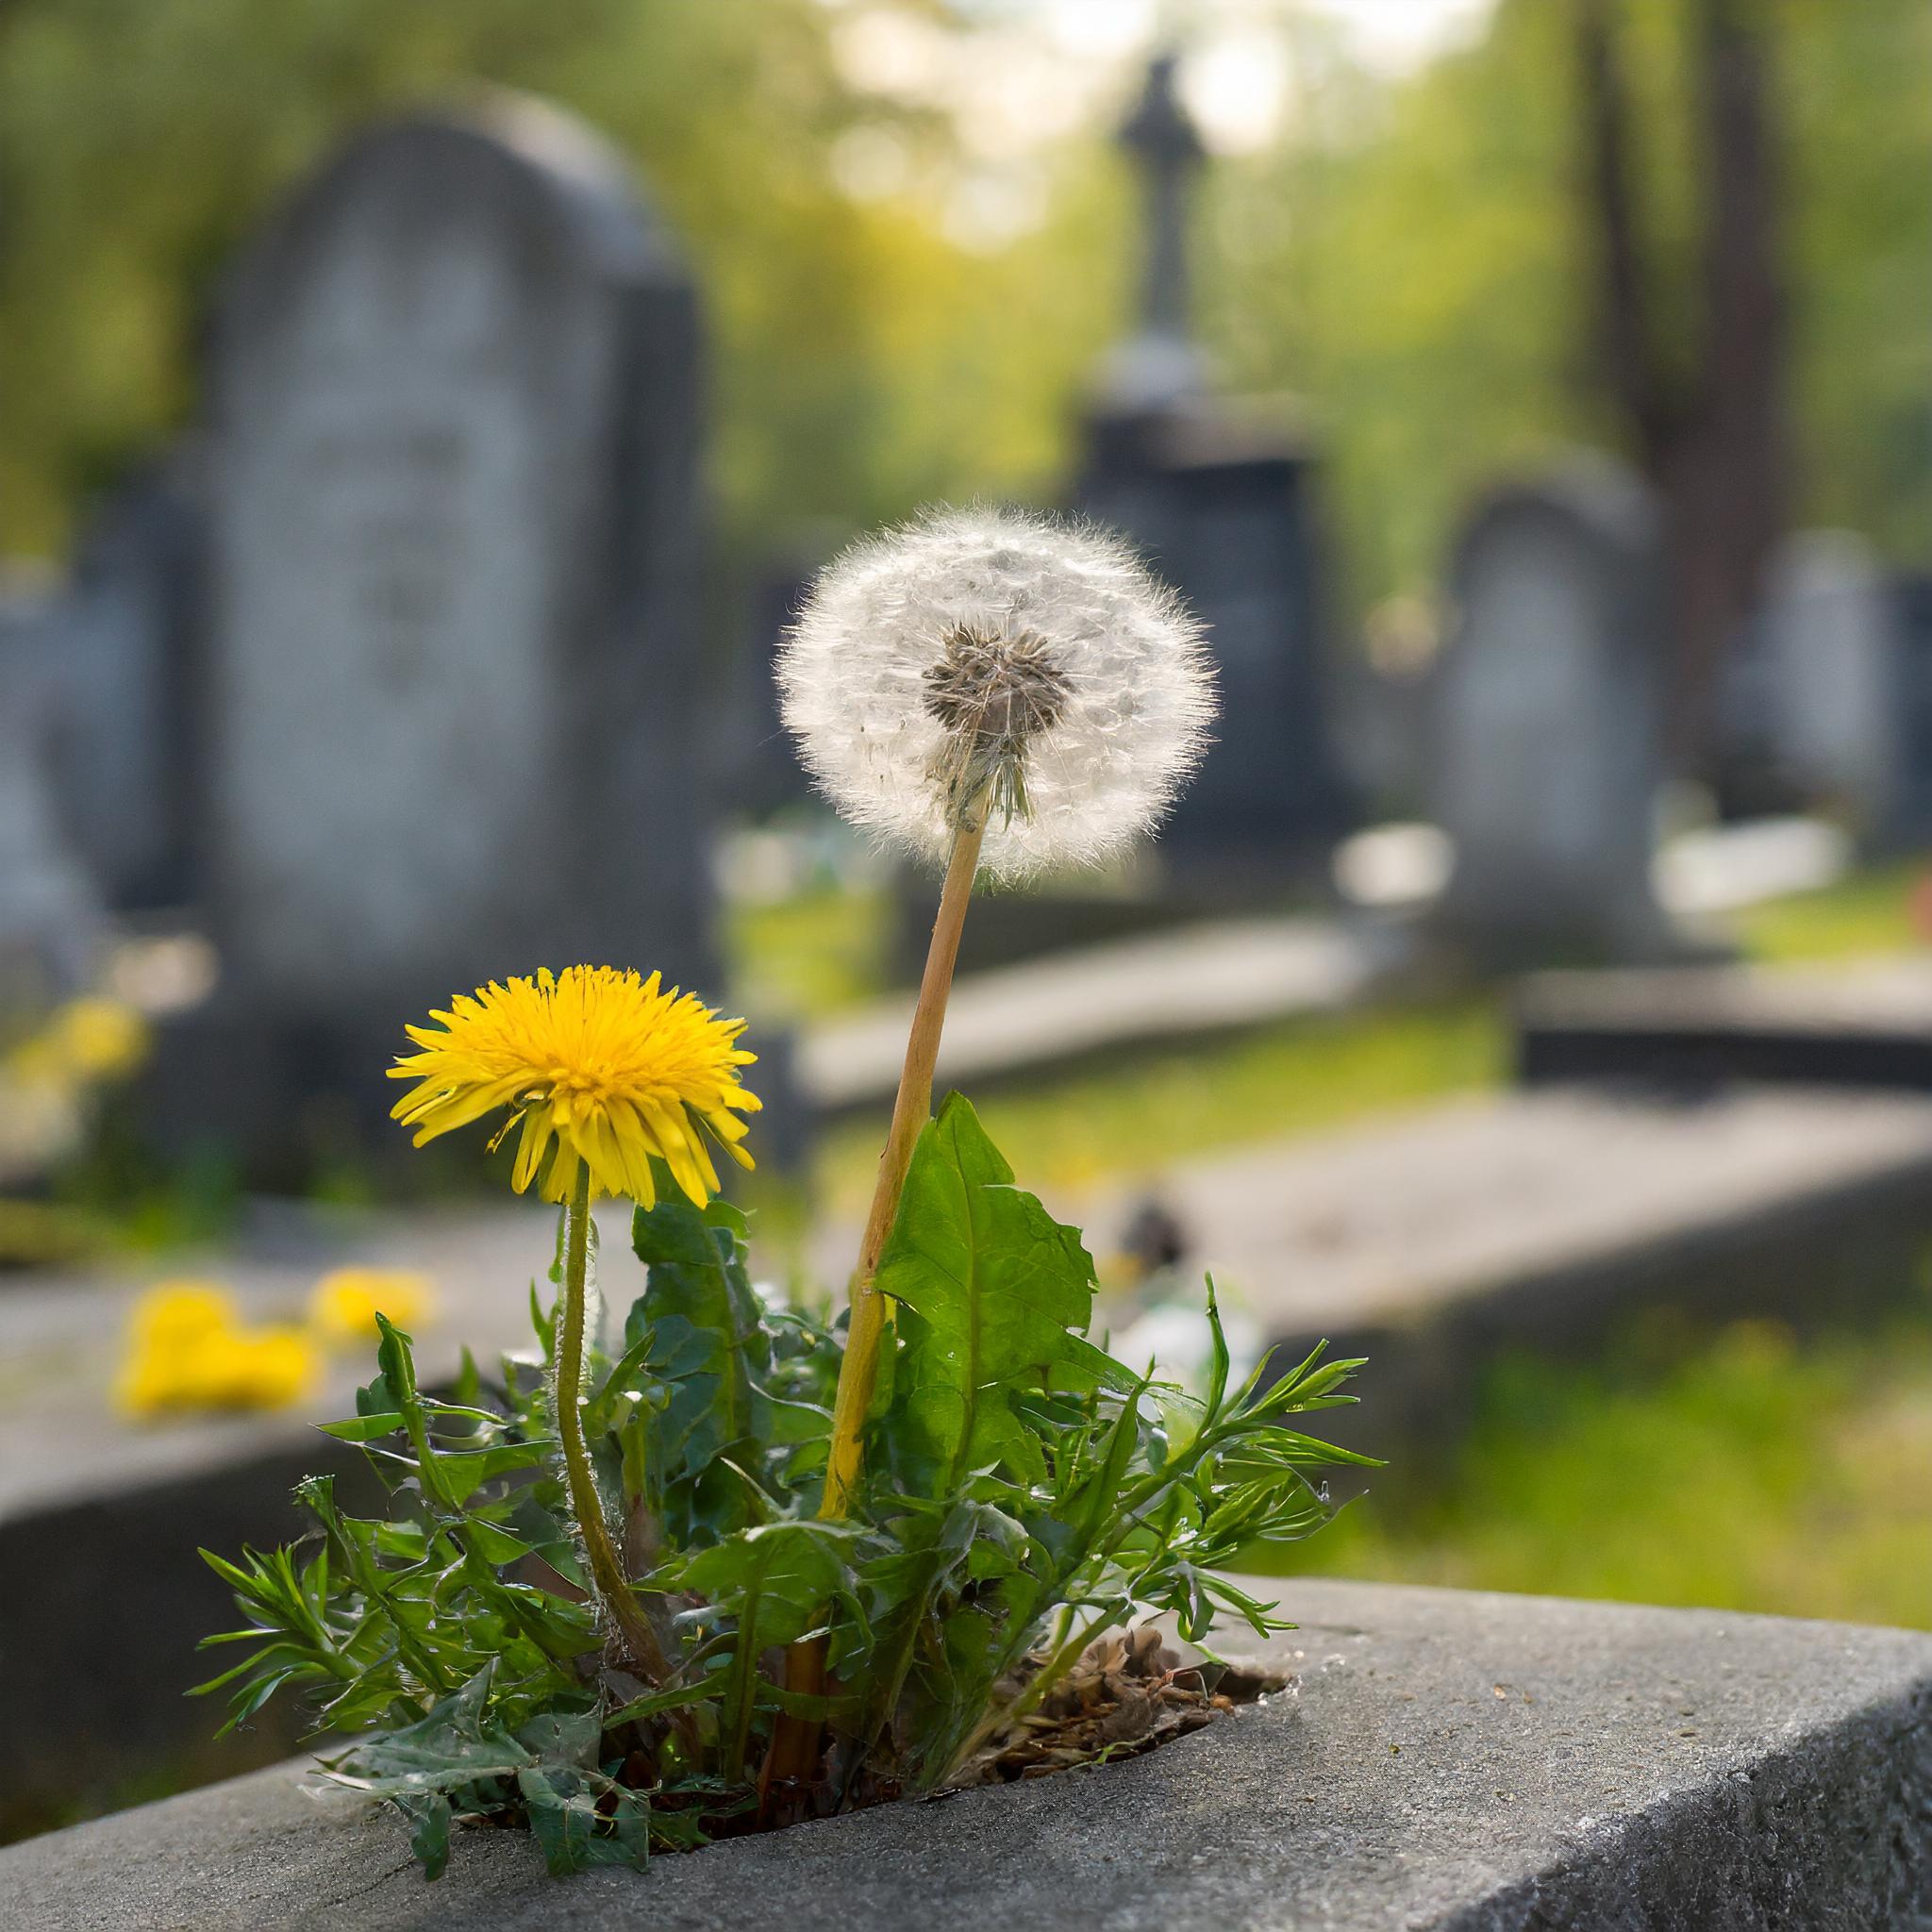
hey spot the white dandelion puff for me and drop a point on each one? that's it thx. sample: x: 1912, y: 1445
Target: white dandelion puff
x: 989, y: 664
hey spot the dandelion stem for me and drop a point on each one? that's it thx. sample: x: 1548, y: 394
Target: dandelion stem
x: 858, y: 1372
x: 609, y: 1582
x: 795, y: 1741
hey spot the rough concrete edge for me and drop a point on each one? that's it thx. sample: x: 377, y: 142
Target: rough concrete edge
x: 1421, y: 1358
x: 1832, y: 1833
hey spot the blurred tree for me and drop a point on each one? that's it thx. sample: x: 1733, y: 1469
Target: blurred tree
x: 1705, y: 416
x: 1412, y: 253
x: 864, y: 359
x: 1417, y: 257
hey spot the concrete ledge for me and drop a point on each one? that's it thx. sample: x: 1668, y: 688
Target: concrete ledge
x: 1545, y: 1221
x: 1486, y: 1763
x: 1866, y: 1025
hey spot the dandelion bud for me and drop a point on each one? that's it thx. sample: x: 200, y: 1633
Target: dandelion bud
x: 990, y: 666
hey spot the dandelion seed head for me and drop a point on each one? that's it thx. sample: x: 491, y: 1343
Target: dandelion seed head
x: 1004, y: 662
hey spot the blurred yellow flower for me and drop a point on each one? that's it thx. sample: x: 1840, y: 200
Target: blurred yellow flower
x: 600, y: 1068
x: 88, y: 1040
x: 344, y: 1303
x: 186, y: 1352
x: 101, y: 1039
x: 178, y: 1314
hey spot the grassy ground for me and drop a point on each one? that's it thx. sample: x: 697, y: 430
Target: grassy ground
x: 1145, y: 1109
x: 1749, y: 1473
x: 1867, y: 912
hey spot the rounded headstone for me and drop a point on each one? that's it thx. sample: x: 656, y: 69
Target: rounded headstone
x: 1545, y: 753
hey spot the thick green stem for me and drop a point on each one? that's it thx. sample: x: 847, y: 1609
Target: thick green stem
x: 611, y: 1587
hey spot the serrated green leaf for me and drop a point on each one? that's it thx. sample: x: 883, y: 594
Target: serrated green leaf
x: 990, y: 1291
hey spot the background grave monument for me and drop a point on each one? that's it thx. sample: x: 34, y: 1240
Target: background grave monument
x: 1545, y: 751
x: 1817, y: 692
x: 1222, y: 500
x: 52, y: 924
x: 123, y: 640
x: 1911, y: 820
x: 451, y: 683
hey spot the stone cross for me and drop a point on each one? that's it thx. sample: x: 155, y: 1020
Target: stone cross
x: 1159, y: 364
x: 1161, y: 139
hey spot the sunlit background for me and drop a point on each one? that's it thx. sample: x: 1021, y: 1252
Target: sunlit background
x: 1430, y: 245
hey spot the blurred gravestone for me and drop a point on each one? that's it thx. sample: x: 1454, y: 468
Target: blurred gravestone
x: 1827, y: 671
x: 124, y: 636
x: 1910, y: 821
x: 452, y: 729
x: 52, y: 924
x: 1220, y: 499
x: 755, y: 758
x: 1545, y: 724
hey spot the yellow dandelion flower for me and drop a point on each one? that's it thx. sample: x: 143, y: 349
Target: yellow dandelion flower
x: 599, y: 1067
x: 343, y: 1304
x: 257, y: 1368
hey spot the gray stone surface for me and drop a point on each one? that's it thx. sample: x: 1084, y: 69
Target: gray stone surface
x: 111, y: 1624
x: 1546, y: 747
x: 1449, y: 1761
x: 454, y: 475
x: 124, y: 637
x: 53, y: 926
x: 1237, y: 972
x: 1543, y: 1221
x: 1867, y: 1025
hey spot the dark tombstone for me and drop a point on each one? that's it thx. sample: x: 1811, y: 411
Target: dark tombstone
x: 453, y: 712
x: 53, y: 927
x: 757, y: 759
x: 1828, y: 641
x: 124, y: 636
x: 1910, y: 821
x: 1546, y: 727
x: 1221, y: 501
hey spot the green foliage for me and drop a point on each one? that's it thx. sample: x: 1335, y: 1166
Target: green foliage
x: 1869, y: 911
x: 1024, y: 1493
x: 1813, y: 1477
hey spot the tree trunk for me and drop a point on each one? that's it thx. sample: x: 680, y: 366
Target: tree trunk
x: 1711, y: 437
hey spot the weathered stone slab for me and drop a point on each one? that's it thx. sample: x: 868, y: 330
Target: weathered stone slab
x: 1541, y: 1221
x: 1451, y: 1760
x: 1867, y: 1025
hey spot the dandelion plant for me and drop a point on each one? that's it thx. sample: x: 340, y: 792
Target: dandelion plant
x: 940, y: 1511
